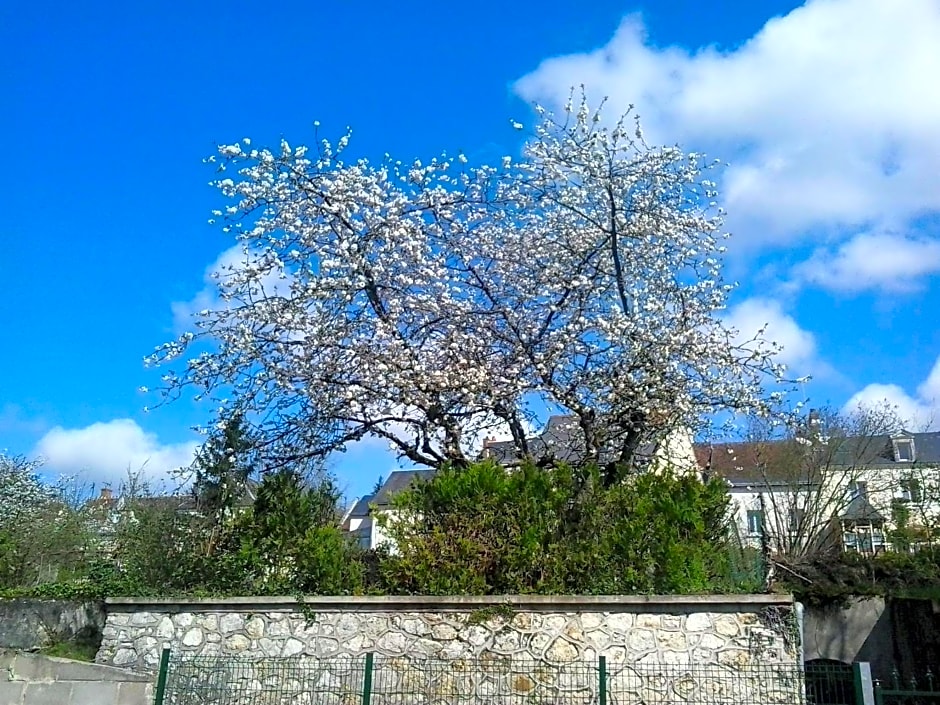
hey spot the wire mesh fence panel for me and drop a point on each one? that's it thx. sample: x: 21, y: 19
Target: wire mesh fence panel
x: 706, y: 684
x: 491, y: 679
x: 488, y: 680
x: 298, y: 680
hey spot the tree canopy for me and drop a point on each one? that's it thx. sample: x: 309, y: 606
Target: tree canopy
x: 430, y: 304
x: 22, y: 491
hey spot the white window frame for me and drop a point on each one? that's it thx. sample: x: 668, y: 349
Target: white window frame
x: 909, y: 442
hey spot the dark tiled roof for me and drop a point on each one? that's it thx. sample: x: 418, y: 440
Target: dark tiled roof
x: 180, y: 502
x: 927, y: 446
x: 879, y: 450
x: 749, y: 463
x: 361, y: 507
x: 788, y: 461
x: 869, y: 450
x: 398, y: 481
x: 560, y: 440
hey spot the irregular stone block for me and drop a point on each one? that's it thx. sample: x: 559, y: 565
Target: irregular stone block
x: 231, y: 623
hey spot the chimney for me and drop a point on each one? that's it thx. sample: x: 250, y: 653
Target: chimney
x: 811, y: 430
x: 106, y: 494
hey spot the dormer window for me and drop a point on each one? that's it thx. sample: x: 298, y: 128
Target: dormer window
x: 903, y: 450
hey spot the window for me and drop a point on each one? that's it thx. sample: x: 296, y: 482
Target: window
x: 850, y: 540
x: 755, y: 522
x: 859, y: 489
x: 796, y: 518
x: 863, y: 538
x: 904, y: 450
x: 910, y: 490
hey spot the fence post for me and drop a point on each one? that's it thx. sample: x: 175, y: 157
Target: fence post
x: 602, y: 673
x: 864, y: 690
x: 160, y: 692
x: 367, y: 680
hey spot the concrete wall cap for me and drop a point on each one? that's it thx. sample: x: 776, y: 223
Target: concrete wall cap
x: 587, y: 603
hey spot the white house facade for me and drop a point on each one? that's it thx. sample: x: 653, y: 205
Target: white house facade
x: 867, y: 495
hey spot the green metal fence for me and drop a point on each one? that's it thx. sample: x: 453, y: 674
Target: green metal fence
x: 908, y: 691
x: 487, y: 680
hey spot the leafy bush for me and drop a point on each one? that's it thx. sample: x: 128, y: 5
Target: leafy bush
x: 44, y: 535
x: 289, y: 541
x: 483, y: 530
x: 834, y: 579
x: 478, y: 529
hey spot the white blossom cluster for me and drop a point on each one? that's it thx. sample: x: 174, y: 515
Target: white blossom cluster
x: 22, y: 491
x: 430, y: 303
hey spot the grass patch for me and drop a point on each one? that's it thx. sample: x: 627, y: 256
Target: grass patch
x: 75, y: 650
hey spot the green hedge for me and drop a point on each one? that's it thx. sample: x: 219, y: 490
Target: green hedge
x: 473, y: 530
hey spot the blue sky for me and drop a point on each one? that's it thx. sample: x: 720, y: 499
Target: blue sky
x: 827, y: 114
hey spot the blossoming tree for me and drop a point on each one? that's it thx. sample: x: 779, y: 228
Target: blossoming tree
x: 22, y: 491
x: 430, y: 304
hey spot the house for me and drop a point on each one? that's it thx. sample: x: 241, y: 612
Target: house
x: 357, y: 522
x: 360, y: 522
x: 770, y: 487
x: 106, y: 511
x: 868, y: 494
x: 895, y: 496
x: 560, y: 440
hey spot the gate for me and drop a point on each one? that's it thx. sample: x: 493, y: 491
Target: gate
x: 830, y: 683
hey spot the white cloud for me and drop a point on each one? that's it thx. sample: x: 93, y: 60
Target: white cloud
x: 799, y: 352
x: 216, y: 274
x: 884, y: 261
x: 827, y: 115
x: 206, y: 298
x: 104, y: 452
x: 919, y: 411
x: 929, y: 390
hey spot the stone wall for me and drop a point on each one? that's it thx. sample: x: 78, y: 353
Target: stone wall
x: 29, y: 624
x: 733, y: 631
x: 466, y: 650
